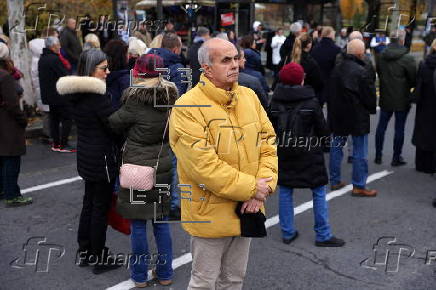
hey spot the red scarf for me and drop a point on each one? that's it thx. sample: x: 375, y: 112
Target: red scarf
x: 65, y: 62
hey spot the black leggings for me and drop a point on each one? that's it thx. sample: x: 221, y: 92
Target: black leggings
x: 60, y: 124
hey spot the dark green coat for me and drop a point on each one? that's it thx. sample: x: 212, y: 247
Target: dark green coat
x: 144, y: 125
x: 397, y: 72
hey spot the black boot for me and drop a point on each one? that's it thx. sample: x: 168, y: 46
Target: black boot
x: 434, y: 202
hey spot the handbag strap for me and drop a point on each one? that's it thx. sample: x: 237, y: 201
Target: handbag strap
x: 163, y: 139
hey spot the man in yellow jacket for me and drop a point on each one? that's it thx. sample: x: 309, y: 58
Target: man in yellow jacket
x: 226, y: 152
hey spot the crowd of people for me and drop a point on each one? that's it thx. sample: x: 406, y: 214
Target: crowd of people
x: 145, y: 102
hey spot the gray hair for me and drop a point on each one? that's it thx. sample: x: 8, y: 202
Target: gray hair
x: 50, y: 41
x: 88, y: 60
x: 222, y: 35
x: 296, y: 27
x: 202, y: 31
x: 204, y: 54
x: 397, y: 36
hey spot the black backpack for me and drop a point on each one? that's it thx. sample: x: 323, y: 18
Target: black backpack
x: 293, y: 125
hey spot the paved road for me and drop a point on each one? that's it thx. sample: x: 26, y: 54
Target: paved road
x: 402, y: 211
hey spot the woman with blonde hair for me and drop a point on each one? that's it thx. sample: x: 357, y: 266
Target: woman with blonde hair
x: 157, y: 41
x: 301, y: 55
x: 91, y: 41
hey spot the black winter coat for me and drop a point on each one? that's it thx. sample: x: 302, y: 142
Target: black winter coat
x: 325, y: 53
x: 424, y: 135
x: 253, y: 83
x: 50, y: 69
x: 96, y: 149
x: 70, y: 45
x: 313, y: 76
x: 12, y: 120
x: 352, y: 98
x: 145, y: 125
x: 193, y: 62
x: 300, y: 169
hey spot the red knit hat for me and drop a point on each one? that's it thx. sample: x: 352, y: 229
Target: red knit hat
x: 146, y: 64
x: 292, y: 74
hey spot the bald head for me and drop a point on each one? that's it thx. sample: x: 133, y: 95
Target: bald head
x: 209, y: 49
x: 356, y: 47
x: 355, y: 35
x: 219, y: 59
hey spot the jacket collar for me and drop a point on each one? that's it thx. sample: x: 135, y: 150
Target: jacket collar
x: 354, y: 58
x: 225, y: 98
x: 75, y: 84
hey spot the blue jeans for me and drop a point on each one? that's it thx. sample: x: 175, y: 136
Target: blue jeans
x: 141, y: 259
x: 320, y: 211
x: 175, y: 197
x: 360, y: 160
x: 9, y: 171
x: 400, y: 124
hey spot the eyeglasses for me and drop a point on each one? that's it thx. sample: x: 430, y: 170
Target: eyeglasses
x: 103, y: 67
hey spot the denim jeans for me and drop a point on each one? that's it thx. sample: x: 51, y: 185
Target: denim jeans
x: 175, y: 195
x: 320, y: 211
x: 360, y: 160
x: 141, y: 258
x: 9, y: 171
x: 400, y: 123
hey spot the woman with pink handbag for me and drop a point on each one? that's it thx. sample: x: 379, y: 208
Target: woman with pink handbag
x: 146, y: 167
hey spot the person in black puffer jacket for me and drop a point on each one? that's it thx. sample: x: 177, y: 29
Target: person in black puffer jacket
x: 301, y: 130
x: 146, y: 124
x: 96, y: 153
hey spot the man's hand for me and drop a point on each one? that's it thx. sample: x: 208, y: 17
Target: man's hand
x: 262, y: 188
x: 251, y: 206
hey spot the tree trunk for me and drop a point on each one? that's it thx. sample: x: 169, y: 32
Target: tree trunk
x: 18, y: 47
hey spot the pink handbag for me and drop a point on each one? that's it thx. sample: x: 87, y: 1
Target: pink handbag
x: 137, y: 177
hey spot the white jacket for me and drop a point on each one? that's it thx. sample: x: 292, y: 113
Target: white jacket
x: 36, y: 45
x: 276, y: 43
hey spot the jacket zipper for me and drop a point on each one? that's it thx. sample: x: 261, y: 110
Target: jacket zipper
x: 107, y: 170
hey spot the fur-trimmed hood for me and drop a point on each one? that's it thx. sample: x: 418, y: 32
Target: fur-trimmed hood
x: 78, y: 85
x: 153, y: 91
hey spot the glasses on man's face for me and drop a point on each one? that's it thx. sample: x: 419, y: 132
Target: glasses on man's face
x: 105, y: 67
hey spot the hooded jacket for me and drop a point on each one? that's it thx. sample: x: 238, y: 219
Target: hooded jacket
x: 302, y: 168
x: 397, y: 72
x: 352, y: 98
x: 117, y: 82
x: 96, y: 149
x: 222, y: 146
x: 424, y: 136
x: 175, y: 65
x: 144, y: 124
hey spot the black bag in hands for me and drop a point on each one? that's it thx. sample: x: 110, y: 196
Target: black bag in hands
x: 252, y: 224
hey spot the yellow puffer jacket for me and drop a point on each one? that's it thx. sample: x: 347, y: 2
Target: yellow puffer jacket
x: 221, y: 150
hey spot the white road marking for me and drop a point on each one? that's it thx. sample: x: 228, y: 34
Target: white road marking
x: 51, y: 184
x: 187, y: 258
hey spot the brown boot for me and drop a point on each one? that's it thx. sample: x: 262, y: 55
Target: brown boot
x: 363, y: 192
x: 338, y: 186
